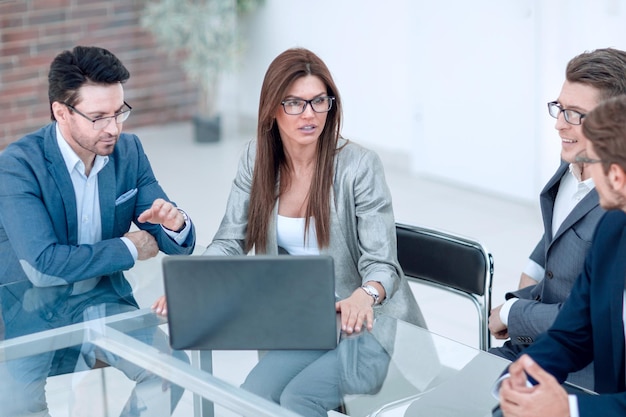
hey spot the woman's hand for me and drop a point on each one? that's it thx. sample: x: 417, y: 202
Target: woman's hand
x: 356, y: 310
x: 160, y: 306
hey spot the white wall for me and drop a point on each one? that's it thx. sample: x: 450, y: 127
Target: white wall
x: 460, y: 87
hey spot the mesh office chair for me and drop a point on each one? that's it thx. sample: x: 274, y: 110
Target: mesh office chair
x: 449, y: 262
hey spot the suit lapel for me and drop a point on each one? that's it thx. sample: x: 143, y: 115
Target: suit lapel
x: 588, y: 203
x: 272, y: 239
x: 58, y: 172
x: 338, y: 248
x: 548, y: 196
x: 106, y: 192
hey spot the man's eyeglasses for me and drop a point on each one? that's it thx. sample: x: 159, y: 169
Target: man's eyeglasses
x: 583, y: 159
x: 572, y: 117
x: 294, y: 106
x: 102, y: 122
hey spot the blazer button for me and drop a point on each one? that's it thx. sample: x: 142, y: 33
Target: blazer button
x: 549, y: 275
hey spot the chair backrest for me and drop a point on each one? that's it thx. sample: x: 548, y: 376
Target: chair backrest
x: 450, y: 262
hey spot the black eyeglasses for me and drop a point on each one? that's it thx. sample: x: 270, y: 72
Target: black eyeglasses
x: 294, y: 106
x: 102, y: 122
x: 572, y: 117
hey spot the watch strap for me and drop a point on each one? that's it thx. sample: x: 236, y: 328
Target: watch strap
x: 372, y: 292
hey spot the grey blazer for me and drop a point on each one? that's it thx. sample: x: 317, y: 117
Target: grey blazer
x: 362, y: 238
x: 562, y: 257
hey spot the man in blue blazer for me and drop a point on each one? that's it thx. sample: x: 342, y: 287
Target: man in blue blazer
x: 69, y: 194
x: 591, y: 324
x: 569, y: 208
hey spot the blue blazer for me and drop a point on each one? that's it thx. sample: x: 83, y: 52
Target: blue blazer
x: 38, y: 219
x: 590, y: 325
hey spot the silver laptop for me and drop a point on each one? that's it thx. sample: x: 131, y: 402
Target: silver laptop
x: 250, y: 302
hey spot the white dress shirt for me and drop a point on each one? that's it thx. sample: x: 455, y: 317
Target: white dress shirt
x: 88, y: 206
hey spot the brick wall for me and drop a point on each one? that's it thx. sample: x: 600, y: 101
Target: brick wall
x: 33, y: 32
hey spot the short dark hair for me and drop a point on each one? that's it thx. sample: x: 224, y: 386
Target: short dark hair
x: 603, y: 69
x: 605, y: 128
x: 70, y: 70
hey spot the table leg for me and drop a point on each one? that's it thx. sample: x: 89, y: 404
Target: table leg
x: 203, y: 359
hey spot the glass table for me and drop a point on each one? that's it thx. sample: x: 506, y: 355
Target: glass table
x: 409, y: 372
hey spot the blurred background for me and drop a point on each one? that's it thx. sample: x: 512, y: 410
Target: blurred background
x: 457, y: 89
x: 452, y: 94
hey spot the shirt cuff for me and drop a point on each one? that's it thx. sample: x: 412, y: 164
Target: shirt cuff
x: 131, y: 248
x: 179, y: 237
x: 573, y: 406
x: 572, y: 399
x: 506, y: 308
x: 534, y: 270
x: 495, y: 391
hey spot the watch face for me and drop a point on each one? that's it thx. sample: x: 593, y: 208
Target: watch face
x: 372, y: 291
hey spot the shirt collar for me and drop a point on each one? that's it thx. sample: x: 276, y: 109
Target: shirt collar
x: 576, y: 171
x: 72, y: 160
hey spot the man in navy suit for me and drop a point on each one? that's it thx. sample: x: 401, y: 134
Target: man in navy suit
x: 591, y: 324
x: 569, y: 208
x: 69, y: 194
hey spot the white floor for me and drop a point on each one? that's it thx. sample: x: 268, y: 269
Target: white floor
x: 197, y: 176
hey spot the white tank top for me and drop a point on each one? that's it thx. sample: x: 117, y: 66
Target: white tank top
x: 290, y: 236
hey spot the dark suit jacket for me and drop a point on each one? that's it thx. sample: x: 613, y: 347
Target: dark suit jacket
x: 38, y: 219
x: 590, y: 325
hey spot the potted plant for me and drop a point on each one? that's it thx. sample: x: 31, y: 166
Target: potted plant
x: 202, y: 35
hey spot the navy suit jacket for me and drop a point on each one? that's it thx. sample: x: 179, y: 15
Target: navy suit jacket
x: 590, y: 325
x: 38, y: 217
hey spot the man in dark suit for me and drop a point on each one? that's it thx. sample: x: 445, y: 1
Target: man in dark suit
x: 69, y: 194
x: 570, y: 211
x: 591, y: 324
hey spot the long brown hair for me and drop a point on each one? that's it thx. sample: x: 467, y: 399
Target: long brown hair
x: 270, y: 157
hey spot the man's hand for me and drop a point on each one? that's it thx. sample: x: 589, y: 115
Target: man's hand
x: 145, y: 243
x: 548, y: 398
x: 164, y: 213
x: 496, y: 327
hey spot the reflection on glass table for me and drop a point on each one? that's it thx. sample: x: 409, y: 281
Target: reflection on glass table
x: 428, y: 375
x: 396, y: 370
x: 395, y: 367
x: 40, y: 339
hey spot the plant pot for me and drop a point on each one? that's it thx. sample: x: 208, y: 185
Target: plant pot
x: 207, y: 129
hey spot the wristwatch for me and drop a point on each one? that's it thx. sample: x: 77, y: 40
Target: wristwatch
x: 185, y: 218
x: 371, y: 291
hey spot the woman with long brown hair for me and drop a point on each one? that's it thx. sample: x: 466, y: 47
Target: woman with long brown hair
x: 303, y: 189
